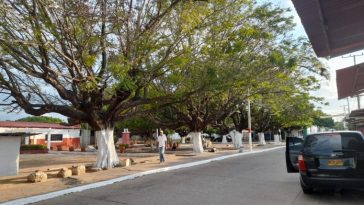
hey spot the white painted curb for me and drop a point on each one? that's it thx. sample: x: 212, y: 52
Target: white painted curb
x: 42, y: 197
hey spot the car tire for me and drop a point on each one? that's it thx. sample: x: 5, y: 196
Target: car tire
x: 306, y: 189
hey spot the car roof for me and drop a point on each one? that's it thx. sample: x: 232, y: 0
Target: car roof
x: 339, y: 131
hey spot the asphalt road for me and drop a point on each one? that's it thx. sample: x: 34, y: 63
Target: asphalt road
x: 257, y: 179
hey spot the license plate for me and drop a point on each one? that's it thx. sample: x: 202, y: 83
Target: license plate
x: 335, y: 162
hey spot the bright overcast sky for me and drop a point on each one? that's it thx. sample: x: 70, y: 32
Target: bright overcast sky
x: 328, y: 87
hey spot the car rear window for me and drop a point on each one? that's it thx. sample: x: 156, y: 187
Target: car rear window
x: 325, y: 144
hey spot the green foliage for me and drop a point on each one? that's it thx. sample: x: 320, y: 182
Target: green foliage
x: 193, y: 62
x: 45, y: 119
x: 246, y: 47
x: 169, y: 131
x: 324, y: 122
x: 339, y: 126
x: 124, y: 145
x: 137, y: 126
x: 33, y: 147
x: 210, y: 130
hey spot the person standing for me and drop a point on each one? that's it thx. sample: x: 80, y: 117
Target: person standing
x: 162, y: 143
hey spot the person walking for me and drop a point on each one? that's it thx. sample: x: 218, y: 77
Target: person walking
x: 162, y: 143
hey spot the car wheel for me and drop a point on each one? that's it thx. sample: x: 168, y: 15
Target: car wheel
x: 306, y: 189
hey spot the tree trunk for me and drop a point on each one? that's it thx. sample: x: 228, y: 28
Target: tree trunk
x: 276, y: 139
x: 236, y: 138
x: 261, y: 138
x: 106, y: 155
x: 197, y: 142
x: 224, y: 140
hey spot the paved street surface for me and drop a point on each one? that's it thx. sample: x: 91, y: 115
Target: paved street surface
x: 253, y: 179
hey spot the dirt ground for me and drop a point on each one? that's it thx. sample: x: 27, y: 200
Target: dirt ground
x: 14, y: 187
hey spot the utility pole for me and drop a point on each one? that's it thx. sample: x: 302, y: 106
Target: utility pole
x: 344, y: 123
x: 49, y: 139
x: 354, y: 57
x: 347, y: 99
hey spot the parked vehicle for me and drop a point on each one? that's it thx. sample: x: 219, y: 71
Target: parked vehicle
x: 327, y: 160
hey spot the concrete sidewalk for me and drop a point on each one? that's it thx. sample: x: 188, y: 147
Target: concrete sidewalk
x: 147, y: 164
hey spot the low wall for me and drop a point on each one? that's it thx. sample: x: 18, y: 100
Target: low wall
x: 66, y: 143
x: 33, y: 151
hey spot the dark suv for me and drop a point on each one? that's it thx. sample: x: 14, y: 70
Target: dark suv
x: 327, y: 160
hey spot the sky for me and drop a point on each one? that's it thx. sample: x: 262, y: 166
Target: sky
x: 328, y: 87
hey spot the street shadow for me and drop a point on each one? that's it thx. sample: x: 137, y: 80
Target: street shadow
x: 16, y: 180
x: 327, y: 196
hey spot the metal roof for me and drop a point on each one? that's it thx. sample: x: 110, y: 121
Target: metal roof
x: 357, y: 113
x: 334, y: 27
x: 337, y: 131
x: 350, y: 81
x: 11, y: 124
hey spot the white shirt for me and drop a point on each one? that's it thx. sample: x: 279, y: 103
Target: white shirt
x: 162, y: 139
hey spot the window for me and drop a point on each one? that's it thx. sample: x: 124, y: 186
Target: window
x: 295, y: 144
x: 55, y: 137
x: 326, y: 144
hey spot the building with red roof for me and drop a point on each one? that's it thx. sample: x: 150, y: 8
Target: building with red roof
x: 39, y: 132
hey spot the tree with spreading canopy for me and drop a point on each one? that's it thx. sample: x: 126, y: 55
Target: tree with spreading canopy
x: 252, y: 58
x: 102, y: 61
x: 92, y: 61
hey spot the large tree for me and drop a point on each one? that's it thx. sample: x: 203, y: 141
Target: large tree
x: 250, y: 56
x: 92, y: 61
x: 246, y: 53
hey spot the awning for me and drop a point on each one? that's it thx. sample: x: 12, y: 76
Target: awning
x: 350, y: 81
x: 357, y: 114
x: 334, y: 27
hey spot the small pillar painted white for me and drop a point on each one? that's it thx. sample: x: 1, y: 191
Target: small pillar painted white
x: 49, y: 139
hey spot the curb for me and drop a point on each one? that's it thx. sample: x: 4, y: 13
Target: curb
x: 42, y: 197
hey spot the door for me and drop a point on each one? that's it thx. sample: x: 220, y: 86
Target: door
x: 294, y: 147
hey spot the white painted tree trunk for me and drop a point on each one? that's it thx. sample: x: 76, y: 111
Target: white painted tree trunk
x: 232, y: 135
x: 276, y: 139
x: 261, y: 138
x: 197, y: 142
x: 183, y: 140
x: 106, y: 155
x: 236, y: 138
x: 224, y: 140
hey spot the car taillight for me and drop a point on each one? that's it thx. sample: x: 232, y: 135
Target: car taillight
x: 301, y: 164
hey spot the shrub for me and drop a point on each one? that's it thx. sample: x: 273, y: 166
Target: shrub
x: 124, y: 145
x: 33, y: 147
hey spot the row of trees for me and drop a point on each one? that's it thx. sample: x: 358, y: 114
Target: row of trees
x: 178, y: 63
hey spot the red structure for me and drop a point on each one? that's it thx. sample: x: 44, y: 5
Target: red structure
x: 65, y: 136
x: 125, y: 138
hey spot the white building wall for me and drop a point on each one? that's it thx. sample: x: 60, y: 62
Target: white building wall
x: 312, y: 130
x: 67, y: 133
x: 9, y: 155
